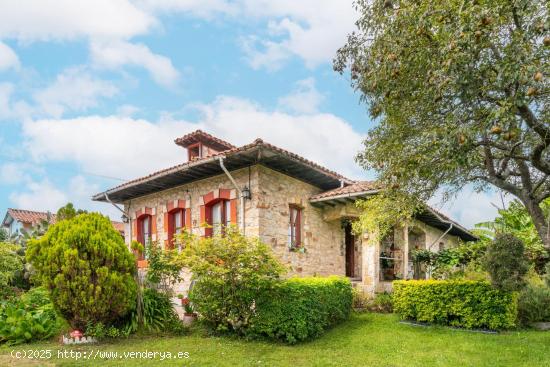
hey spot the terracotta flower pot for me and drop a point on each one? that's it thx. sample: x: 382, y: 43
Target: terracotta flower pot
x: 189, y: 318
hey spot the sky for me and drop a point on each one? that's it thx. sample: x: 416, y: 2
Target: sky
x: 93, y: 93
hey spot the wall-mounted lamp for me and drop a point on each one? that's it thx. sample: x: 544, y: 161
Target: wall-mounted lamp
x: 246, y: 193
x: 125, y: 219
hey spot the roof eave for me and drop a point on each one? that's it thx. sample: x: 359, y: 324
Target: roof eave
x: 356, y: 195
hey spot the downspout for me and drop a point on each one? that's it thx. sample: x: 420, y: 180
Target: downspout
x: 124, y: 215
x: 451, y: 225
x: 241, y: 196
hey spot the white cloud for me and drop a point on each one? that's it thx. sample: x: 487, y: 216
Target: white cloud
x: 311, y: 29
x: 200, y: 8
x: 305, y: 98
x: 115, y: 54
x: 125, y: 147
x: 74, y: 89
x: 41, y: 196
x: 37, y: 20
x: 12, y: 173
x: 470, y: 208
x: 8, y: 58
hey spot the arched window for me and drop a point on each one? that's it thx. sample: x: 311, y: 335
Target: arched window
x: 218, y: 215
x: 144, y: 230
x: 176, y: 224
x: 295, y: 226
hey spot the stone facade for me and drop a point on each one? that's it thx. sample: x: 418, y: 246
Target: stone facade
x: 267, y: 217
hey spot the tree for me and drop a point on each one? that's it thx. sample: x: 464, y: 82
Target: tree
x: 3, y: 235
x: 87, y: 268
x: 10, y: 263
x: 506, y: 263
x: 461, y: 92
x: 230, y: 272
x: 68, y: 212
x: 515, y: 220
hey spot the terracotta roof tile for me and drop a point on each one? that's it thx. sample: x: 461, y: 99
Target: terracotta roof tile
x: 357, y: 187
x: 201, y: 136
x: 257, y: 142
x: 29, y: 216
x: 119, y: 226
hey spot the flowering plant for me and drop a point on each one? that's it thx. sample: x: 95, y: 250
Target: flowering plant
x: 187, y: 306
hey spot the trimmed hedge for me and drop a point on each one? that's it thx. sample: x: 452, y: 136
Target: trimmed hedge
x: 462, y: 303
x: 301, y: 308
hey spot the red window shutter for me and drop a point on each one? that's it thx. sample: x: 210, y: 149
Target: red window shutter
x: 165, y: 223
x: 153, y: 225
x: 233, y: 211
x: 134, y: 230
x: 188, y: 219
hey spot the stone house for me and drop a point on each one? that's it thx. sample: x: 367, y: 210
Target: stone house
x: 301, y: 209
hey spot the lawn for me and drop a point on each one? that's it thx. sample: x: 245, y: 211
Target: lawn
x: 365, y: 340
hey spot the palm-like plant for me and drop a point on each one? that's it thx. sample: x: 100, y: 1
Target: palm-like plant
x: 516, y: 220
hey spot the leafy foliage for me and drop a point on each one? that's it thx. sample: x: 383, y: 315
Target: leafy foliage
x: 534, y: 304
x: 158, y: 315
x: 301, y: 308
x: 461, y: 93
x: 10, y: 263
x: 505, y: 262
x: 68, y: 212
x: 3, y: 234
x: 381, y: 303
x: 30, y: 318
x: 230, y: 271
x: 162, y: 271
x: 516, y: 220
x: 463, y: 303
x: 86, y: 266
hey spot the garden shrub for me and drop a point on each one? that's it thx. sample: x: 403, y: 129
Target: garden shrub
x: 461, y: 303
x: 381, y: 303
x: 547, y: 275
x: 87, y: 268
x: 534, y: 303
x: 230, y: 271
x: 301, y: 308
x: 159, y: 315
x: 506, y: 263
x: 31, y: 317
x: 10, y: 263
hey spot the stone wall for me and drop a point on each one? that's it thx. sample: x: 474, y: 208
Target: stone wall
x: 323, y: 240
x: 192, y: 193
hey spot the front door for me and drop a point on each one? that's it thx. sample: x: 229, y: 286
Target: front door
x: 350, y: 251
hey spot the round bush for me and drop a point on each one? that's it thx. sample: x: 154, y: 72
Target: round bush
x: 87, y: 268
x: 506, y: 263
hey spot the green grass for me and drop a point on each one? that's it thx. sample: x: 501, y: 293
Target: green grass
x: 365, y: 340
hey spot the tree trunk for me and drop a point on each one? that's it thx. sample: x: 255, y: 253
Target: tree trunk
x: 537, y: 215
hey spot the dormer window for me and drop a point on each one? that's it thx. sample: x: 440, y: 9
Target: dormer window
x: 200, y: 145
x: 194, y: 151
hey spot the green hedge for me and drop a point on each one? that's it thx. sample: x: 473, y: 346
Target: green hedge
x: 462, y: 303
x: 301, y: 308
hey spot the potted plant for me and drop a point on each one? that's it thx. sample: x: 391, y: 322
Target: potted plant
x: 181, y: 298
x: 189, y: 315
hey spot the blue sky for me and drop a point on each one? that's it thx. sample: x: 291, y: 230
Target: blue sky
x: 94, y: 92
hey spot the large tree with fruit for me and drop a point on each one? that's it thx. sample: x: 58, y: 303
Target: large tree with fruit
x: 460, y: 91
